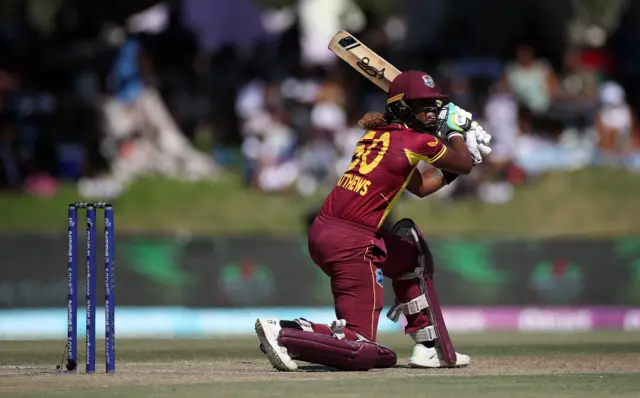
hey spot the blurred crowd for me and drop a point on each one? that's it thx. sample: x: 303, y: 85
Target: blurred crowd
x: 546, y: 120
x: 300, y: 132
x: 177, y: 89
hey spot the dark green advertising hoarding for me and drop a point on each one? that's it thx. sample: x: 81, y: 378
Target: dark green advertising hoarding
x: 256, y: 272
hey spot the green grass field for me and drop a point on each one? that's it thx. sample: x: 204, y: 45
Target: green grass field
x: 597, y: 202
x: 603, y: 364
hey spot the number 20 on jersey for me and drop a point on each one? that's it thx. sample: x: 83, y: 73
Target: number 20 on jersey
x: 361, y: 164
x: 362, y: 152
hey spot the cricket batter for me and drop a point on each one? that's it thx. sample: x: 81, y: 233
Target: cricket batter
x: 347, y: 243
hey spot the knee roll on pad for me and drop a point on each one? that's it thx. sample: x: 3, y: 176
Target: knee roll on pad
x: 329, y: 351
x: 407, y: 229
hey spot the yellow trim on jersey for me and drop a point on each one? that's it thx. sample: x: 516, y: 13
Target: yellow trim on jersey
x: 439, y: 155
x: 395, y: 198
x: 415, y: 158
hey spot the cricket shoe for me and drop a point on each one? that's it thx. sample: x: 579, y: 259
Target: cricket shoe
x: 268, y: 331
x: 425, y: 357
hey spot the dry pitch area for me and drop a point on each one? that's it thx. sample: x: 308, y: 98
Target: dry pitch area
x: 503, y: 365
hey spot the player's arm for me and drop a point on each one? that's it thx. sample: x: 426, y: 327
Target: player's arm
x: 427, y: 182
x: 456, y: 158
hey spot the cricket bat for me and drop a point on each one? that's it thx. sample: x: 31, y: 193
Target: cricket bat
x: 363, y: 59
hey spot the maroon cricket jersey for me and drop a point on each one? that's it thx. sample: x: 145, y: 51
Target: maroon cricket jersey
x: 380, y: 169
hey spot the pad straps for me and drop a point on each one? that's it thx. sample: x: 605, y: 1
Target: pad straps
x: 412, y: 307
x: 425, y: 334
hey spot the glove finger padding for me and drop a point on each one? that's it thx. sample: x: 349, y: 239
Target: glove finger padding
x: 484, y: 138
x: 484, y: 150
x: 467, y: 114
x: 471, y: 139
x: 472, y: 144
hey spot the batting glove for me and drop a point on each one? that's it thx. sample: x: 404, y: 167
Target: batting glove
x: 457, y: 122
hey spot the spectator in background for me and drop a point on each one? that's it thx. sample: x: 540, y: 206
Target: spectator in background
x: 138, y: 122
x: 345, y: 141
x: 577, y: 98
x: 250, y: 107
x: 614, y: 122
x: 315, y: 159
x: 532, y: 80
x: 460, y: 93
x: 498, y: 172
x: 319, y: 153
x: 539, y: 149
x: 302, y: 87
x: 501, y: 115
x: 269, y: 148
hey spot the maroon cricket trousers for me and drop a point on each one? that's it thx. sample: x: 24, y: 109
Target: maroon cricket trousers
x: 356, y: 258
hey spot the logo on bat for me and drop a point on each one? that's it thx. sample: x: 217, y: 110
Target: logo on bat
x: 370, y: 70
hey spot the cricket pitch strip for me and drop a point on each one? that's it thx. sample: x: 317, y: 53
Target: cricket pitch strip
x: 503, y: 365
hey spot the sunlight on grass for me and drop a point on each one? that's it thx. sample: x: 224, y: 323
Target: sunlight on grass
x: 594, y: 202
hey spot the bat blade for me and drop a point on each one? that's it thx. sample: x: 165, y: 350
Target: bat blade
x: 363, y: 59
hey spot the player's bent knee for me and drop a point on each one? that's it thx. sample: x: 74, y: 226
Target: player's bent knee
x: 329, y: 351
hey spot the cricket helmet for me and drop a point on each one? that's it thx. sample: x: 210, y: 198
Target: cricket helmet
x: 412, y: 92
